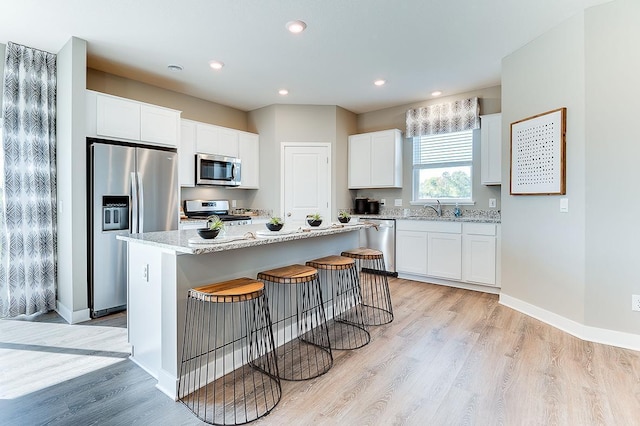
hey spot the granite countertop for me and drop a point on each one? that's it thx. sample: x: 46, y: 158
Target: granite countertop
x: 444, y: 218
x: 236, y: 237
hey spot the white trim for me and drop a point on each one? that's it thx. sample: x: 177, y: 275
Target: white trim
x: 581, y: 331
x: 72, y: 317
x: 167, y: 384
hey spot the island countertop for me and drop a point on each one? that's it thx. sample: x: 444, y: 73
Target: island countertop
x: 236, y: 237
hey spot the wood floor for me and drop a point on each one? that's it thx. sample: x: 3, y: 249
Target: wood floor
x: 450, y: 357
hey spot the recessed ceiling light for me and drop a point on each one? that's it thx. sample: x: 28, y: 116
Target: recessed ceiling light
x: 379, y: 82
x: 216, y: 65
x: 283, y: 92
x: 175, y: 67
x: 436, y: 93
x: 296, y: 27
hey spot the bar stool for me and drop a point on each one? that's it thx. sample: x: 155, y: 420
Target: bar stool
x: 374, y: 285
x: 228, y: 372
x: 299, y: 322
x: 348, y: 329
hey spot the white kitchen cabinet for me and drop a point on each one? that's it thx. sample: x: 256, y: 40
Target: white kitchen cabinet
x: 186, y: 154
x: 216, y: 140
x: 192, y: 225
x: 375, y: 160
x: 159, y: 125
x: 207, y: 139
x: 479, y: 250
x: 249, y: 153
x: 117, y: 117
x: 444, y: 255
x: 411, y: 252
x: 491, y: 149
x: 449, y: 252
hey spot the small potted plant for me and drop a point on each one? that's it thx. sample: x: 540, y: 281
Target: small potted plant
x: 214, y: 226
x: 314, y: 219
x: 344, y: 216
x: 275, y: 224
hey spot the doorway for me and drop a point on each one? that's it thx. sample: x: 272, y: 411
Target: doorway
x: 306, y: 181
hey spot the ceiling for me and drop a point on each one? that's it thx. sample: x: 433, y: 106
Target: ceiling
x: 417, y: 46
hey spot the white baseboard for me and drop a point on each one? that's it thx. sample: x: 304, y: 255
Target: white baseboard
x: 581, y: 331
x: 167, y: 384
x: 450, y: 283
x: 72, y: 317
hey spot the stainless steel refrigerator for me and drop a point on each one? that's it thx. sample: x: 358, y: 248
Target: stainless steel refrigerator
x: 132, y: 189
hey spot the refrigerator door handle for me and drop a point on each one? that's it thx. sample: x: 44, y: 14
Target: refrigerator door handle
x: 140, y: 203
x: 134, y: 204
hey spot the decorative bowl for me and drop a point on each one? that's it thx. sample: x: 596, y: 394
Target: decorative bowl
x: 312, y: 222
x: 274, y: 226
x: 208, y: 234
x: 344, y: 219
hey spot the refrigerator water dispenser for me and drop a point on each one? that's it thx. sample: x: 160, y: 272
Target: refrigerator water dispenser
x: 115, y: 212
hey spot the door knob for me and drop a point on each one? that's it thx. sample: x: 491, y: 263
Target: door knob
x: 289, y: 214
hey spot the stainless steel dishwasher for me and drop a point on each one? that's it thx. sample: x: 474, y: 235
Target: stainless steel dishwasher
x: 381, y: 237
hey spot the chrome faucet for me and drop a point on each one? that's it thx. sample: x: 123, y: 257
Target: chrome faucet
x: 437, y: 208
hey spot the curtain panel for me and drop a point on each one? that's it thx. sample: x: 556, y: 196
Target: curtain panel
x: 28, y: 209
x: 443, y: 118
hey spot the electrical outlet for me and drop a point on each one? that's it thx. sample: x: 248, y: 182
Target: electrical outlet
x: 145, y: 272
x: 398, y: 202
x: 492, y: 203
x: 635, y: 302
x: 233, y: 203
x: 382, y: 201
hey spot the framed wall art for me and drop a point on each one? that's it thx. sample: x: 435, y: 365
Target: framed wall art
x: 538, y: 146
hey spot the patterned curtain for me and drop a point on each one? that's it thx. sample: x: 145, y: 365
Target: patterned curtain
x: 443, y: 118
x: 28, y: 209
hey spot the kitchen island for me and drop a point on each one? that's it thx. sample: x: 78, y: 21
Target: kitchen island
x: 163, y: 266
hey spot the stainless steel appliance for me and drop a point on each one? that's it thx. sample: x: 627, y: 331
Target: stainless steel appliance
x: 201, y: 209
x: 218, y: 170
x: 132, y: 189
x: 361, y: 205
x: 382, y: 237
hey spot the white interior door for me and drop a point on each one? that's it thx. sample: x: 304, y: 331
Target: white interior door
x: 306, y: 181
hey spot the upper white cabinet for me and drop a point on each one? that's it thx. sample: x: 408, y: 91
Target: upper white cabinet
x: 249, y: 153
x: 123, y: 119
x: 187, y: 154
x: 216, y: 140
x: 375, y: 160
x: 491, y: 149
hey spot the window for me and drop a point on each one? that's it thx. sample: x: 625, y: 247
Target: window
x: 442, y: 166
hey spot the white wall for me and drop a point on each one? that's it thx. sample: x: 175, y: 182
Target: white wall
x: 71, y: 166
x: 612, y: 64
x: 581, y: 265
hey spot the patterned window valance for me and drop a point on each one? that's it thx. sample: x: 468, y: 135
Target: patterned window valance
x: 444, y: 118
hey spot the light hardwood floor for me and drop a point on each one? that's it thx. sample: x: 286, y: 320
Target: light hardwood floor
x: 450, y: 357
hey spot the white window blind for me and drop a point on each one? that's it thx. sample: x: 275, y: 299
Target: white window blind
x: 444, y: 149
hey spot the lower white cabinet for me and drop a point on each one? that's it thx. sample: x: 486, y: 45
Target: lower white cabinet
x: 411, y: 252
x: 444, y: 255
x: 450, y: 251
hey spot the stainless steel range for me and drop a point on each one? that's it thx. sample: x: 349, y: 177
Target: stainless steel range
x: 201, y: 209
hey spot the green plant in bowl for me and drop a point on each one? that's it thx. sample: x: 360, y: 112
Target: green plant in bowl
x: 344, y: 216
x: 214, y: 226
x: 314, y: 219
x: 275, y: 224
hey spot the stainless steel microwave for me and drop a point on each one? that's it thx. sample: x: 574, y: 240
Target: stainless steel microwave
x: 218, y: 170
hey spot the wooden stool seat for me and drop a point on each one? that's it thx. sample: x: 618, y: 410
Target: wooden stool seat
x: 374, y: 285
x: 299, y: 321
x: 236, y: 290
x: 332, y: 262
x: 362, y: 253
x: 292, y: 274
x: 347, y: 328
x: 229, y: 317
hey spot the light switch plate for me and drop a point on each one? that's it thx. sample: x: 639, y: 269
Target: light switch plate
x: 398, y: 202
x: 492, y: 203
x: 382, y: 201
x: 564, y: 205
